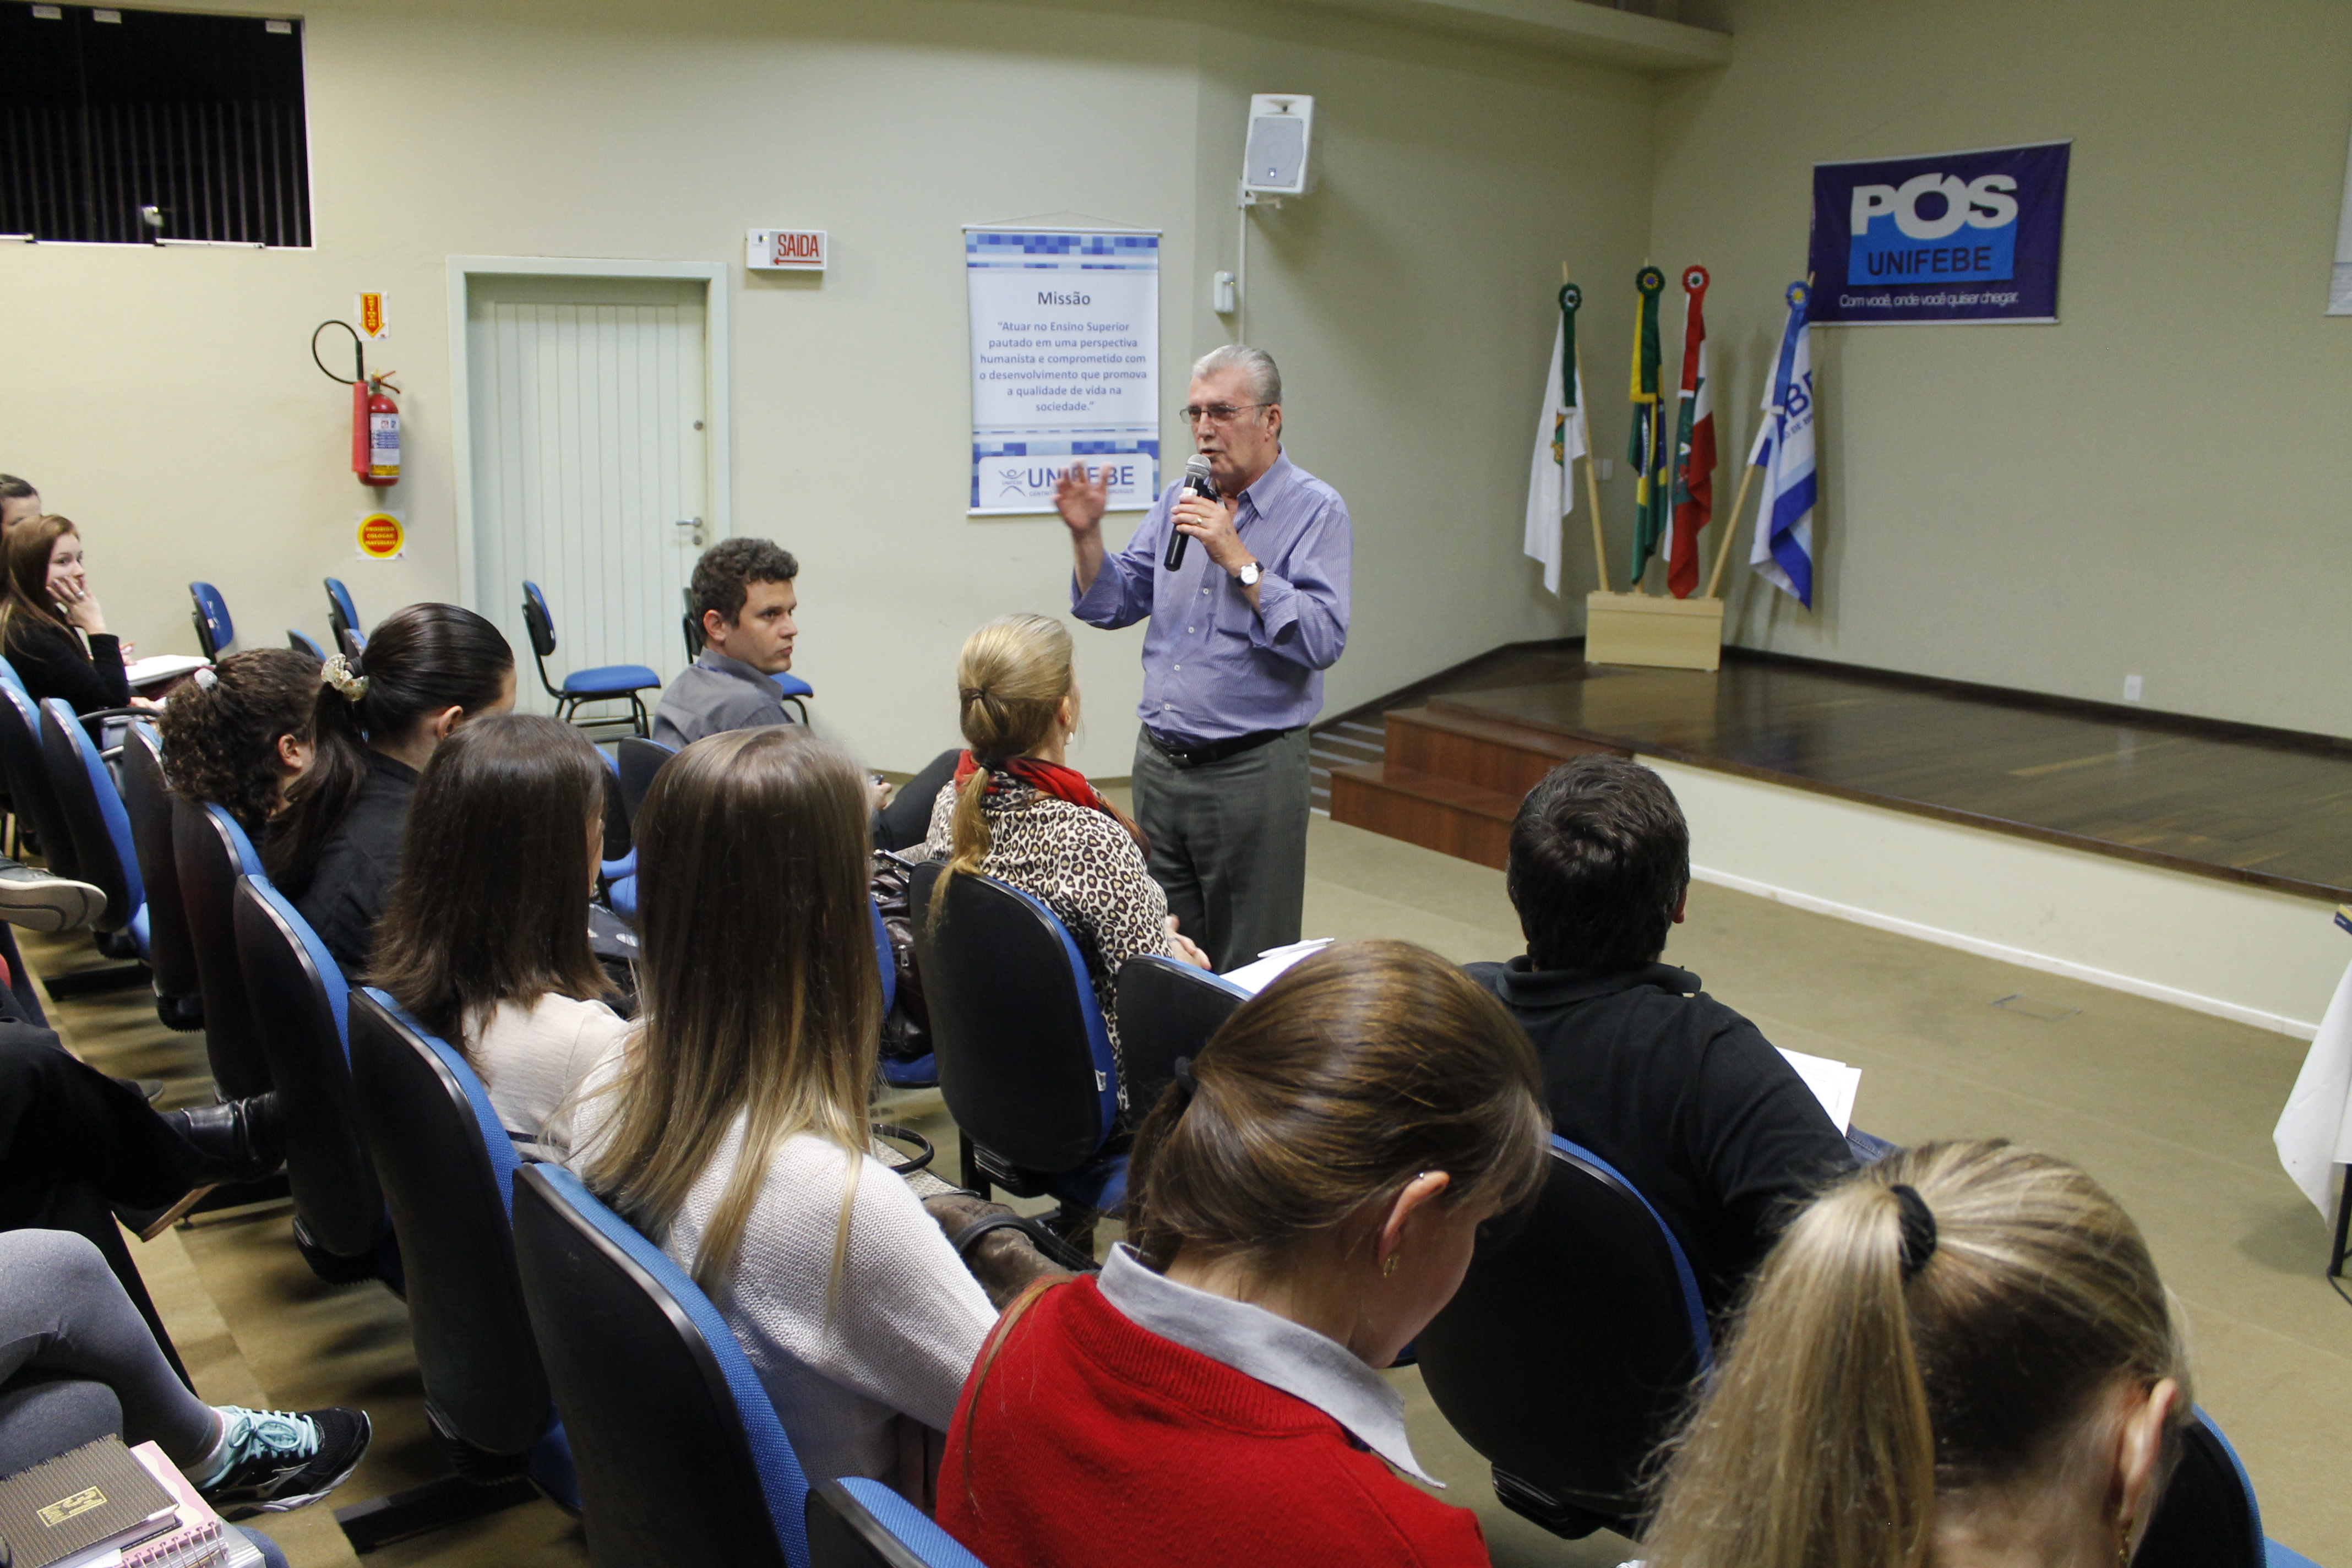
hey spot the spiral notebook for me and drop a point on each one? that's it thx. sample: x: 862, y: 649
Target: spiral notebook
x: 85, y: 1504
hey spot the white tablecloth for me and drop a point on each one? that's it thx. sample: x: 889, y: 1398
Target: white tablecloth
x: 2314, y: 1131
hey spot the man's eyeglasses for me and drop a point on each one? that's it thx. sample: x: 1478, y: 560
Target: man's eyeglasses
x: 1216, y: 413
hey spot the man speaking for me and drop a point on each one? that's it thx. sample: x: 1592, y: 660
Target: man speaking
x: 1244, y: 623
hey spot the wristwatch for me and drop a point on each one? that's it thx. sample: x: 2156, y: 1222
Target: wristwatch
x: 1248, y: 576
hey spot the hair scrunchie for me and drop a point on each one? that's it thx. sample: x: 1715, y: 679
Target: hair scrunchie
x: 1918, y: 1223
x: 204, y: 677
x: 348, y: 683
x: 1185, y: 1086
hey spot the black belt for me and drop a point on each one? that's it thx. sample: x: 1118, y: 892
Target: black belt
x: 1201, y: 756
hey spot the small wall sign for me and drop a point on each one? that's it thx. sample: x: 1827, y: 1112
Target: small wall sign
x: 382, y: 536
x: 785, y: 250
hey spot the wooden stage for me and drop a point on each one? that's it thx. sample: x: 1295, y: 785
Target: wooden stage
x: 2264, y: 807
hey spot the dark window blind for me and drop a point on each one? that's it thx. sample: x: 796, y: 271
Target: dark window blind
x: 198, y: 116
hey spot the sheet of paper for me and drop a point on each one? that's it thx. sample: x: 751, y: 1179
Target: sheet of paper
x: 1832, y: 1082
x: 1255, y: 976
x: 162, y: 667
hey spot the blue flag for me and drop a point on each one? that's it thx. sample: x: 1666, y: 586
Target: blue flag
x: 1783, y: 553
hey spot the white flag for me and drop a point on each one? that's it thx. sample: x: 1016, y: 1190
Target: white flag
x: 1560, y: 441
x: 1783, y: 552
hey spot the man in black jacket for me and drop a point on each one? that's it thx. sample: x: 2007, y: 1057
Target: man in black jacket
x: 1685, y: 1097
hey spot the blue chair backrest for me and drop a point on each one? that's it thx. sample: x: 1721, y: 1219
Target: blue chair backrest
x: 636, y: 760
x: 658, y: 1398
x: 854, y: 1523
x: 537, y: 621
x: 447, y: 1167
x: 1570, y: 1347
x: 210, y: 851
x: 93, y: 811
x: 302, y: 641
x: 343, y: 617
x: 300, y: 1015
x: 8, y: 676
x: 791, y: 685
x: 214, y: 630
x: 2208, y: 1517
x: 1025, y: 1060
x: 1167, y: 1010
x: 30, y: 792
x: 147, y: 801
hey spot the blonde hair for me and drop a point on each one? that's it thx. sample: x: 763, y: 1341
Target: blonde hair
x: 760, y: 997
x: 1011, y: 679
x: 1870, y: 1372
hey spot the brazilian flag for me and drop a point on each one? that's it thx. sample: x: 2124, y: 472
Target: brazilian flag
x: 1649, y: 448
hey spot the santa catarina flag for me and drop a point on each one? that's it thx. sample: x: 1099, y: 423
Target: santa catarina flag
x: 1694, y: 443
x: 1560, y: 441
x: 1646, y: 449
x: 1783, y: 553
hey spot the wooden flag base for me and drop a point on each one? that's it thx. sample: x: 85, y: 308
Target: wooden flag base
x: 1642, y: 629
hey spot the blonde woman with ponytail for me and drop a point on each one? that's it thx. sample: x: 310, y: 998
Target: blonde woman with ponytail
x: 1961, y: 1357
x: 1017, y: 812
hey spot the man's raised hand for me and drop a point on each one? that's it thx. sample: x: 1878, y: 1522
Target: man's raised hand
x: 1081, y: 500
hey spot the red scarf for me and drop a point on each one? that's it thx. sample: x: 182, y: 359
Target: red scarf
x: 1054, y: 779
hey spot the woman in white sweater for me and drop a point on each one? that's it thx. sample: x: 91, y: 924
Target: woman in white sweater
x: 733, y: 1129
x: 485, y: 939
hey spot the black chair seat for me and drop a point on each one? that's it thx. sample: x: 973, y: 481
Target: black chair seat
x: 171, y: 949
x: 209, y: 853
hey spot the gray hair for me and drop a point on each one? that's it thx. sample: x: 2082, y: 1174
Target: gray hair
x: 1264, y: 380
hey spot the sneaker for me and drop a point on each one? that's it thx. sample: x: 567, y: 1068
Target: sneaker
x: 37, y: 900
x: 273, y: 1460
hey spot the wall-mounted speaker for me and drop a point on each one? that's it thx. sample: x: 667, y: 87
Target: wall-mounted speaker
x: 1280, y: 130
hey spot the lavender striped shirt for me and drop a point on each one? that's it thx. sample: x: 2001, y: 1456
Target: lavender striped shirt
x: 1214, y: 668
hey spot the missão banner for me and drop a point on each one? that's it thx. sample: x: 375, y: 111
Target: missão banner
x: 1956, y: 237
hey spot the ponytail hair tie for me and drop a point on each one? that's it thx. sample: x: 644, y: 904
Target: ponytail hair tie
x: 348, y: 683
x: 204, y: 677
x: 1185, y: 1086
x: 1918, y: 1222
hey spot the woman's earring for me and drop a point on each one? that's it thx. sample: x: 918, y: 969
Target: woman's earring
x: 1388, y: 1266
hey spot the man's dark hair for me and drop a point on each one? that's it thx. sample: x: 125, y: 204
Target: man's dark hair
x: 723, y: 577
x: 13, y: 489
x: 1600, y: 857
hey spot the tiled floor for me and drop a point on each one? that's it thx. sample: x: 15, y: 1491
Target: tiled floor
x: 2172, y: 1110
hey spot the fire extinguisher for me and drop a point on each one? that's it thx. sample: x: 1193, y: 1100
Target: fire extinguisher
x: 375, y: 417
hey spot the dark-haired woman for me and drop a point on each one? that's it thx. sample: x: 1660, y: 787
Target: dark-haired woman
x: 335, y: 849
x: 51, y: 625
x: 486, y: 939
x: 1302, y: 1204
x: 733, y: 1131
x: 236, y: 735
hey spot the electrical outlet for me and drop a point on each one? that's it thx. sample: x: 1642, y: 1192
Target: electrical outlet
x: 1608, y: 469
x: 2131, y: 688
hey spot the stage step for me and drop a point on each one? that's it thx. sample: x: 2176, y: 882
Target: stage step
x: 1491, y: 754
x: 1464, y: 820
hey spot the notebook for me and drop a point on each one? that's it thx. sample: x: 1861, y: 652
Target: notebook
x: 202, y: 1540
x: 82, y: 1506
x: 158, y: 667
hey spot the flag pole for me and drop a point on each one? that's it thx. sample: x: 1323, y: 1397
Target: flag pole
x: 1592, y: 485
x: 1730, y: 531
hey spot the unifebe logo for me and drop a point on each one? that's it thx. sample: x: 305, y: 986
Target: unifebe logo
x: 1934, y: 227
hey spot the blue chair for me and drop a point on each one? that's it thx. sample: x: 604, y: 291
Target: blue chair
x: 96, y: 821
x: 860, y: 1523
x: 171, y: 948
x: 660, y: 1403
x: 1570, y: 1348
x: 302, y: 641
x: 606, y: 683
x: 301, y: 1007
x: 210, y: 852
x: 636, y: 760
x: 214, y: 630
x: 915, y: 1072
x: 447, y: 1169
x: 1025, y: 1060
x: 343, y: 619
x: 2208, y: 1517
x: 795, y: 691
x: 1167, y: 1010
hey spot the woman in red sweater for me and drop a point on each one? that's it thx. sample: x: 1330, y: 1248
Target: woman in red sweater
x: 1303, y: 1200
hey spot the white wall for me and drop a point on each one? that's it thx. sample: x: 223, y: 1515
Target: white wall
x: 166, y: 399
x: 2154, y: 486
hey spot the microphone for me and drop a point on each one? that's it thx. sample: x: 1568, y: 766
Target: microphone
x: 1197, y: 481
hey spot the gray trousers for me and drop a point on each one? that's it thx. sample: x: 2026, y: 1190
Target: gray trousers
x: 78, y: 1362
x: 1229, y: 844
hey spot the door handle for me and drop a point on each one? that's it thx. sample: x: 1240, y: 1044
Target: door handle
x: 693, y: 525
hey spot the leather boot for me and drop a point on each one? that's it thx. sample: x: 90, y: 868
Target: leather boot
x: 235, y: 1142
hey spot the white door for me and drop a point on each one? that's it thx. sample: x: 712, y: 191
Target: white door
x: 591, y: 465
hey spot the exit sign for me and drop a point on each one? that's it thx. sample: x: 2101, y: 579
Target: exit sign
x: 786, y: 250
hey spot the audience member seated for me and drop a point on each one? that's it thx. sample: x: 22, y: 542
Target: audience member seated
x: 1302, y: 1201
x: 732, y: 1128
x: 485, y: 940
x: 1015, y: 812
x: 50, y: 624
x: 236, y: 735
x: 65, y: 1326
x: 1959, y: 1357
x: 335, y: 849
x: 19, y: 502
x: 1681, y: 1094
x: 745, y: 595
